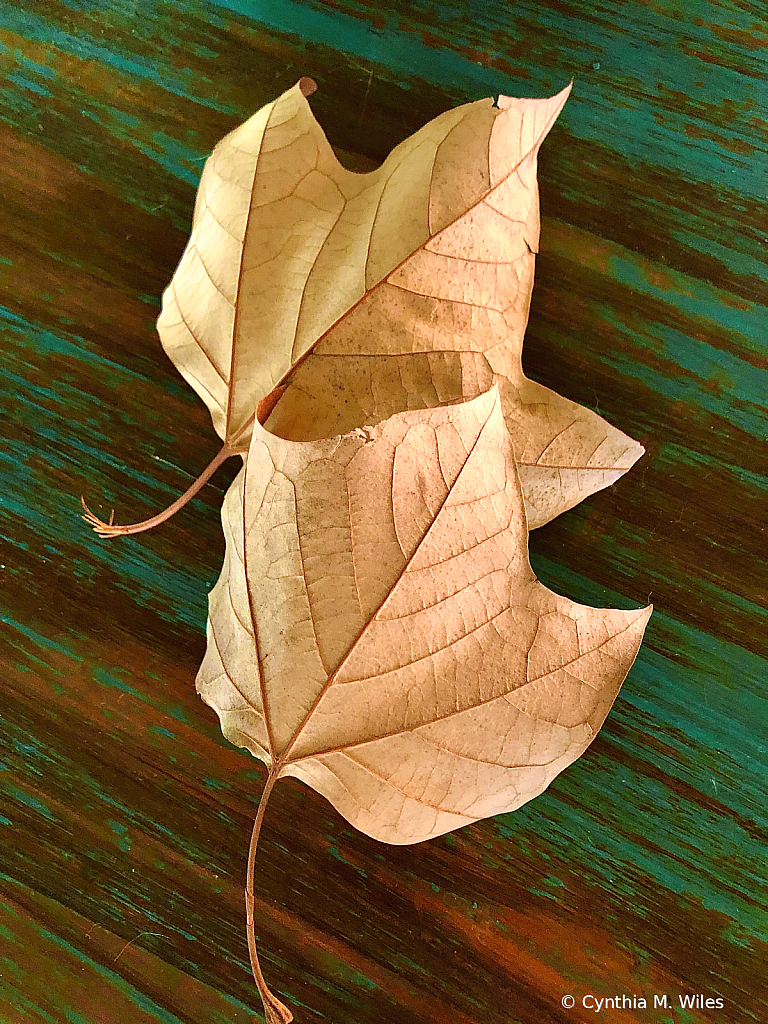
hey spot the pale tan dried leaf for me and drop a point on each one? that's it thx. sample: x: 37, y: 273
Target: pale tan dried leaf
x: 285, y: 240
x: 419, y: 274
x: 449, y: 322
x: 377, y: 630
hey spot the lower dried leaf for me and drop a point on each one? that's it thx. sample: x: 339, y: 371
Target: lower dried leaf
x: 378, y: 632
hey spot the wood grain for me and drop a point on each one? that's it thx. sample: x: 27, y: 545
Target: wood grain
x: 124, y: 815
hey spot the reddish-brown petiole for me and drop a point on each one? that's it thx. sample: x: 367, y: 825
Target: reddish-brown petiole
x: 275, y: 1012
x: 111, y: 529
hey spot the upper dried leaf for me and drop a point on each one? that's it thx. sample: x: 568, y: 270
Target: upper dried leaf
x: 419, y: 274
x: 378, y: 632
x: 285, y: 241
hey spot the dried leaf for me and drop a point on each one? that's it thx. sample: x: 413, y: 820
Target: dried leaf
x: 377, y: 621
x: 418, y: 273
x: 377, y: 630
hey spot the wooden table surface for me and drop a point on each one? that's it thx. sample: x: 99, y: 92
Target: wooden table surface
x: 124, y: 815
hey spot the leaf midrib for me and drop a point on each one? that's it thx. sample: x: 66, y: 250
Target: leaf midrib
x: 284, y: 757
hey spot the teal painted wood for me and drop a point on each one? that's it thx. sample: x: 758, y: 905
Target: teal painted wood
x: 124, y: 815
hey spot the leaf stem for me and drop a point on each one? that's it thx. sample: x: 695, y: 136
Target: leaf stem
x: 275, y: 1012
x: 112, y: 529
